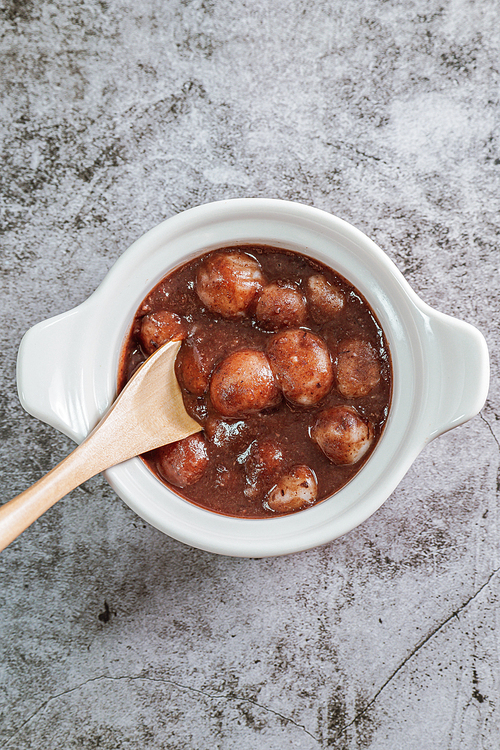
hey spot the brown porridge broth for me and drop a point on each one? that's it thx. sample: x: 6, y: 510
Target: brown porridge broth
x: 223, y: 488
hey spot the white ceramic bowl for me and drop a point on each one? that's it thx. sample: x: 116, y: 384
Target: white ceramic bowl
x: 67, y: 368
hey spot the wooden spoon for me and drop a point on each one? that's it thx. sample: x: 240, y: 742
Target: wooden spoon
x: 149, y: 412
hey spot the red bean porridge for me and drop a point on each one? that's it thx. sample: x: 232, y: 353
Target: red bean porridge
x: 285, y: 366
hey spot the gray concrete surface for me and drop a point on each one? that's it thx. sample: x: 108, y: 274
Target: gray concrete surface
x: 116, y: 115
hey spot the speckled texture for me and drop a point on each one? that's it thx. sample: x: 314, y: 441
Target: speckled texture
x: 117, y: 115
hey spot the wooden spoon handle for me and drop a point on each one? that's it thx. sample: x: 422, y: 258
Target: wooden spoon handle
x: 104, y: 447
x: 148, y: 412
x: 20, y: 512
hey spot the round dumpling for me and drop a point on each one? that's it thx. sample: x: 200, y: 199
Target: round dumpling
x: 342, y: 434
x: 228, y: 282
x: 301, y: 362
x: 243, y: 383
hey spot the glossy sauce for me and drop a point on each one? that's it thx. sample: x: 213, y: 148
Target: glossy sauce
x: 228, y: 483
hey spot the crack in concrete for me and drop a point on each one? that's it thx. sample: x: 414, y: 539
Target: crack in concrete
x: 412, y: 653
x: 490, y: 429
x: 146, y: 678
x: 240, y: 699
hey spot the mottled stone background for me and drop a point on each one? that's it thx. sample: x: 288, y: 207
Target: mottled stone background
x: 116, y: 115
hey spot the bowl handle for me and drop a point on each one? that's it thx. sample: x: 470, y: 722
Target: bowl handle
x: 49, y: 374
x: 460, y: 364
